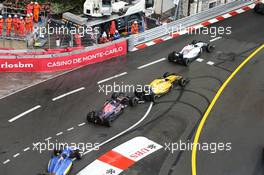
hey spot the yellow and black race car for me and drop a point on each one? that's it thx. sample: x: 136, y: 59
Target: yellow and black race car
x: 161, y: 86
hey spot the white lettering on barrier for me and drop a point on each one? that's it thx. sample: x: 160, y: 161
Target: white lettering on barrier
x: 7, y: 65
x: 83, y: 59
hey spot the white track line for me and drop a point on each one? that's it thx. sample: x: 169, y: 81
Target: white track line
x: 70, y: 129
x: 24, y: 113
x: 149, y: 64
x: 123, y: 132
x: 5, y: 162
x: 56, y: 76
x: 48, y: 138
x: 110, y: 78
x: 16, y: 155
x: 214, y: 39
x: 68, y: 93
x: 26, y: 149
x: 81, y: 124
x: 199, y: 60
x: 59, y: 133
x: 211, y: 63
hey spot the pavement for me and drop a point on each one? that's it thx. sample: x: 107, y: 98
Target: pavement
x: 55, y: 110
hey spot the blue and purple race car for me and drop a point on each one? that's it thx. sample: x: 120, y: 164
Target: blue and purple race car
x: 111, y: 109
x: 62, y: 161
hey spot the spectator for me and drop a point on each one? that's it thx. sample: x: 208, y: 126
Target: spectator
x: 36, y: 12
x: 30, y: 7
x: 8, y: 25
x: 31, y: 22
x: 1, y: 25
x: 15, y: 24
x: 134, y: 27
x: 78, y: 40
x: 28, y: 21
x: 104, y: 38
x: 22, y: 27
x: 116, y: 35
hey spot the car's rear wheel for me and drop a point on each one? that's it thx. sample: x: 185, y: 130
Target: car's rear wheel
x: 186, y: 62
x: 171, y: 57
x: 182, y: 82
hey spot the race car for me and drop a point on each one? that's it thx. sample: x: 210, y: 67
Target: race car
x: 111, y: 109
x: 259, y: 7
x: 190, y: 52
x: 62, y: 161
x: 161, y: 86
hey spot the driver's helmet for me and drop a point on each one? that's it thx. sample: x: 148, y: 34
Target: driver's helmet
x: 63, y: 156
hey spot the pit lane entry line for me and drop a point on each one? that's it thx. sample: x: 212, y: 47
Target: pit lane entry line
x: 209, y: 109
x: 24, y: 113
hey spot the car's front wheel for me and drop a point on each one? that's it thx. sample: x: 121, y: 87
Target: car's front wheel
x: 108, y: 123
x: 209, y: 48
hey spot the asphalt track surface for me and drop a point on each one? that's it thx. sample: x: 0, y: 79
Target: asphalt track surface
x: 237, y: 117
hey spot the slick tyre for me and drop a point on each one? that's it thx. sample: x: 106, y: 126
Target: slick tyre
x: 186, y: 62
x: 182, y: 82
x: 209, y: 48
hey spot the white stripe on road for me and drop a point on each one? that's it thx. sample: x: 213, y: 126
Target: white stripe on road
x: 5, y: 162
x: 121, y: 133
x: 199, y: 60
x: 81, y: 124
x: 26, y: 149
x: 214, y: 39
x: 24, y: 113
x: 17, y: 154
x: 70, y: 129
x: 149, y: 64
x: 60, y: 133
x: 110, y: 78
x: 48, y: 138
x: 68, y: 93
x: 210, y: 63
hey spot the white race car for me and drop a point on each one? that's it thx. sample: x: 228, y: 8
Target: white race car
x: 190, y: 52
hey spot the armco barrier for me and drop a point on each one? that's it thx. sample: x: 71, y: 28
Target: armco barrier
x: 184, y: 23
x: 63, y: 61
